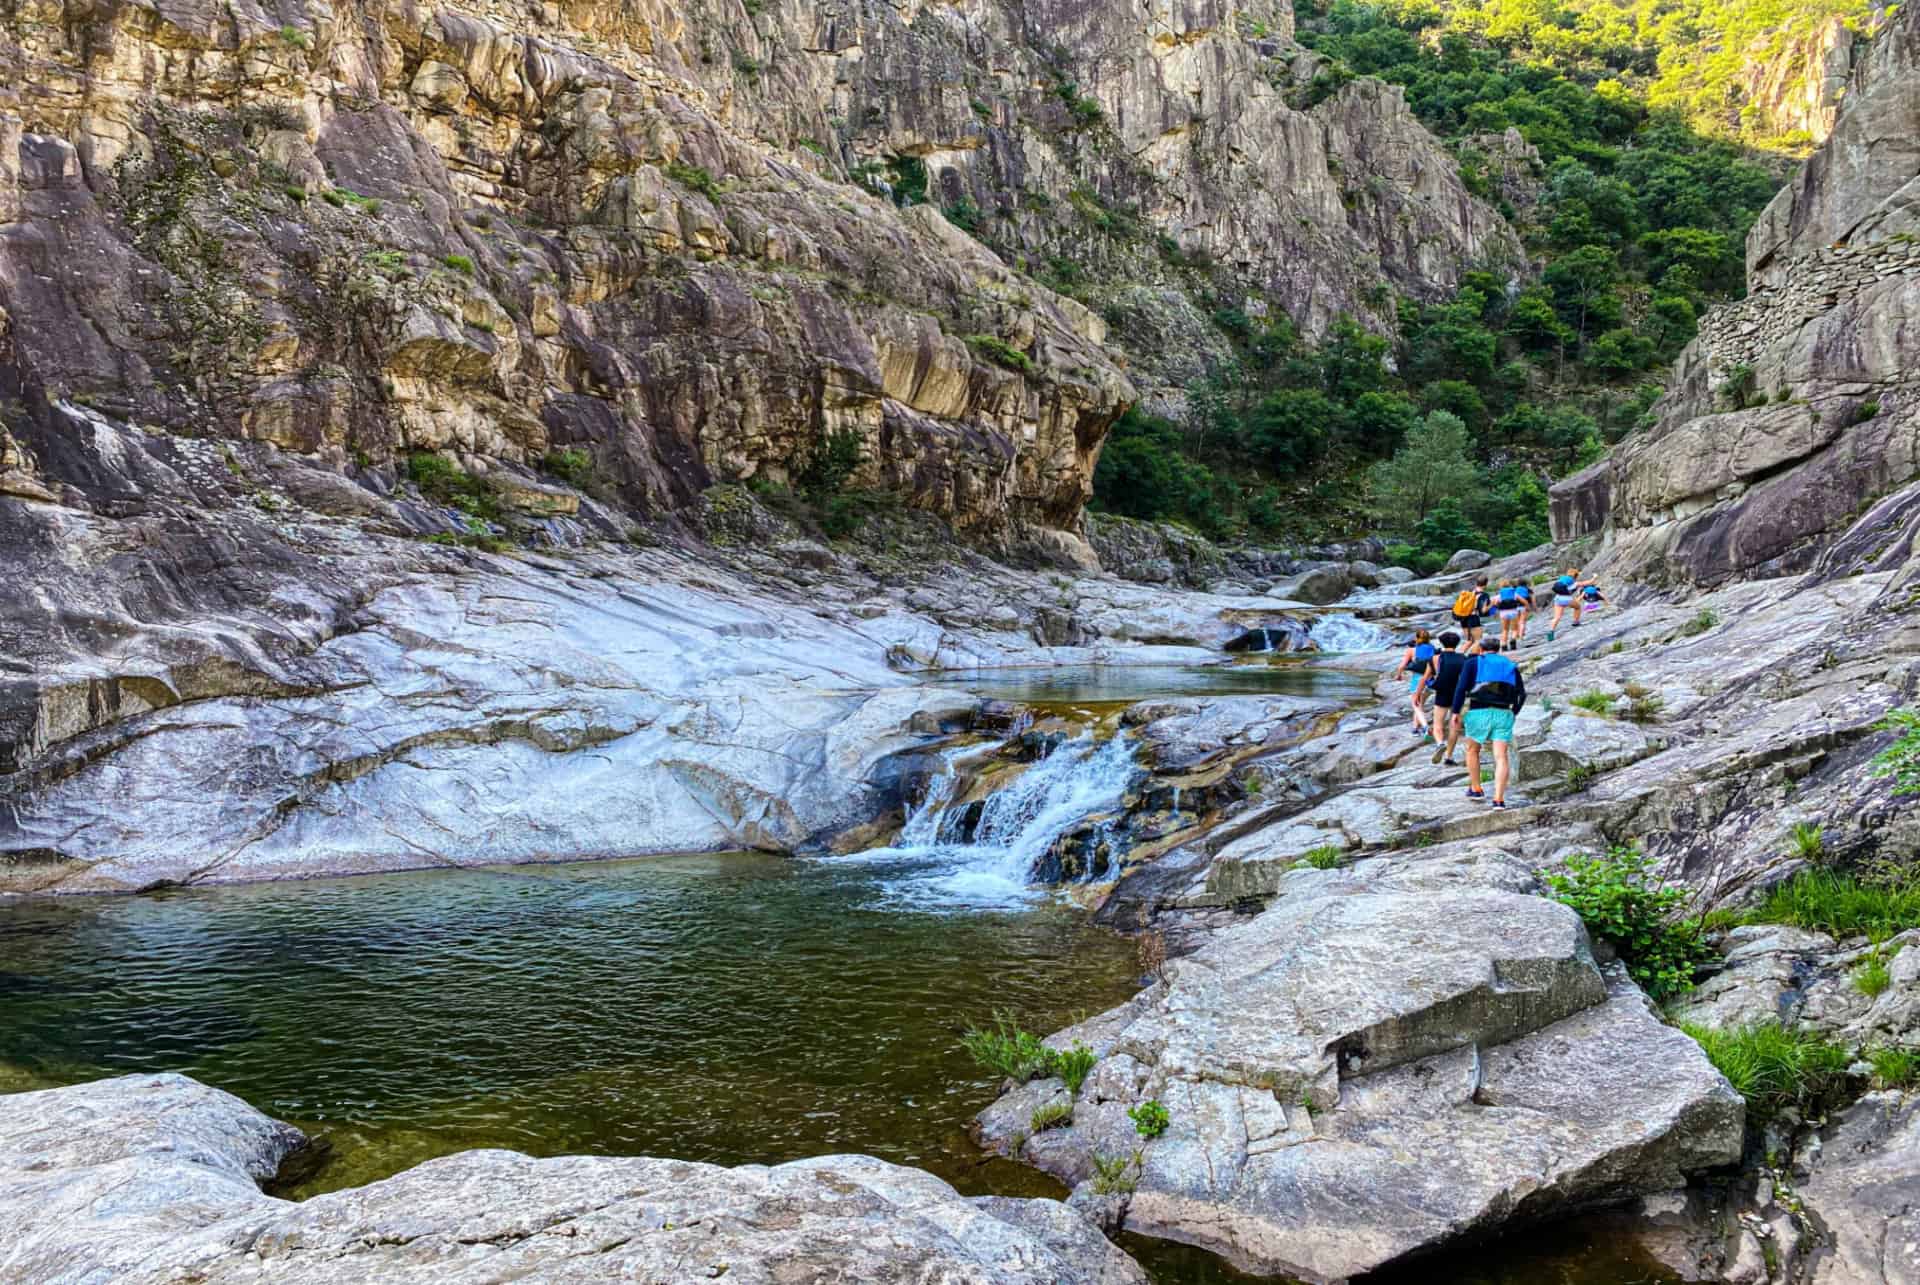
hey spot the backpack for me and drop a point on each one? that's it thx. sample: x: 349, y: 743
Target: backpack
x: 1423, y: 653
x: 1591, y: 593
x: 1464, y: 602
x: 1563, y: 585
x: 1496, y: 681
x: 1509, y: 596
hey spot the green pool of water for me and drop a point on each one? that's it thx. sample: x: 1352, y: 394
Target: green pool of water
x: 732, y: 1009
x: 1125, y: 684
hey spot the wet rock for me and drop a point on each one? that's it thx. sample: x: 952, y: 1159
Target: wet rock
x: 1361, y: 1072
x: 144, y: 1178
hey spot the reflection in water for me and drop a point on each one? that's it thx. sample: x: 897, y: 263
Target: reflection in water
x: 1124, y: 684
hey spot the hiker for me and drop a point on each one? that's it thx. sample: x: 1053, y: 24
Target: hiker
x: 1469, y: 605
x: 1492, y: 692
x: 1507, y: 604
x: 1566, y: 596
x: 1446, y: 667
x: 1588, y: 602
x: 1524, y: 592
x: 1413, y: 664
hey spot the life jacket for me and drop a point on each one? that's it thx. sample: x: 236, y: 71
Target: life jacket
x: 1563, y: 585
x: 1591, y: 593
x: 1496, y: 682
x: 1422, y: 654
x: 1464, y: 602
x: 1509, y: 596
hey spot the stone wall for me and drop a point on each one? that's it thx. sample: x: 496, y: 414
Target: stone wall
x: 1802, y: 289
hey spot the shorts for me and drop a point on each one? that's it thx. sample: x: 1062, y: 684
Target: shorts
x: 1588, y: 608
x: 1509, y: 613
x: 1413, y: 682
x: 1467, y: 622
x: 1563, y: 600
x: 1489, y: 725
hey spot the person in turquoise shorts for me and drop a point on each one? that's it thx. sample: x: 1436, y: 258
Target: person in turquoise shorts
x: 1492, y: 692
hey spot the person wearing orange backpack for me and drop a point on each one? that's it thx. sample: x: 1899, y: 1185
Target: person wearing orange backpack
x: 1469, y: 605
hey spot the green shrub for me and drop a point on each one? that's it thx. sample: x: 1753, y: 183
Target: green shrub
x: 571, y: 465
x: 694, y: 177
x: 1050, y: 1115
x: 444, y: 482
x: 1006, y: 1050
x: 295, y: 37
x: 459, y: 263
x: 1580, y: 776
x: 1900, y: 760
x: 1595, y: 702
x: 1894, y: 1068
x: 1002, y: 353
x: 1325, y: 857
x: 1863, y: 412
x: 1074, y: 1065
x: 1619, y: 900
x: 1829, y: 902
x: 1808, y: 844
x: 830, y: 465
x: 1149, y: 1118
x: 1115, y: 1175
x: 1773, y: 1067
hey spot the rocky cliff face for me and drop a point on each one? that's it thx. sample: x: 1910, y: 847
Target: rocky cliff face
x: 1796, y: 406
x: 662, y: 234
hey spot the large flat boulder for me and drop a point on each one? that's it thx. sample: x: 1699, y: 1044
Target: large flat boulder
x: 152, y: 1178
x: 1864, y: 1188
x: 1388, y: 1058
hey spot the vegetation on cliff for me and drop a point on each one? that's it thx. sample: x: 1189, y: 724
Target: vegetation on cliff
x: 1448, y: 431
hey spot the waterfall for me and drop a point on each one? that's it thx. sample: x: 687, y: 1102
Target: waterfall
x: 1348, y: 633
x: 1017, y: 826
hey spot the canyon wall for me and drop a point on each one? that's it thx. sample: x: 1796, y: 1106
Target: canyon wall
x: 1796, y: 407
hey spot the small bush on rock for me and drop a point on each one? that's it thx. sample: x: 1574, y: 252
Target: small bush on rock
x: 1324, y: 857
x: 1703, y: 620
x: 571, y: 465
x: 1007, y: 1050
x: 1901, y: 760
x: 1808, y: 845
x: 1595, y: 702
x: 1894, y: 1068
x: 1150, y: 1119
x: 1773, y: 1067
x: 1619, y: 899
x: 1871, y: 976
x: 1074, y: 1065
x: 1001, y: 353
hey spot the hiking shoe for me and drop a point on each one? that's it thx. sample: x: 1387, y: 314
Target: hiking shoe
x: 1549, y: 635
x: 1439, y: 753
x: 1499, y: 804
x: 1476, y: 794
x: 1450, y: 763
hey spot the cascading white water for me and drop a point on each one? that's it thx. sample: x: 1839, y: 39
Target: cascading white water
x: 1017, y: 825
x: 1348, y: 633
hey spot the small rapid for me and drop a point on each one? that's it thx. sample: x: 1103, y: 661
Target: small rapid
x: 963, y: 857
x: 1348, y: 633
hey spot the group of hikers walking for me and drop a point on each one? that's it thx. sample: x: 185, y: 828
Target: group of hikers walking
x: 1475, y: 689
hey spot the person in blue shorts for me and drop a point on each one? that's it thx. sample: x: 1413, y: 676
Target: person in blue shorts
x: 1491, y: 692
x: 1566, y: 597
x: 1524, y: 592
x: 1413, y: 667
x: 1443, y: 672
x: 1506, y: 602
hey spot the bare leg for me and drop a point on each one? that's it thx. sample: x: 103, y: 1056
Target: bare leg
x: 1473, y: 765
x: 1500, y: 771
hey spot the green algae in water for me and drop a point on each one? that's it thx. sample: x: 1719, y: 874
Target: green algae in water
x: 732, y: 1009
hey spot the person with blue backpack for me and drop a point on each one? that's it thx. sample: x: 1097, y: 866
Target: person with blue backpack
x: 1492, y: 692
x: 1566, y: 596
x: 1507, y: 602
x: 1523, y: 591
x: 1413, y: 666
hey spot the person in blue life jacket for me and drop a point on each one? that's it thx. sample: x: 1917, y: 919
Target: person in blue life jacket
x: 1491, y: 693
x: 1588, y: 602
x: 1506, y: 602
x: 1566, y: 597
x: 1523, y: 591
x: 1443, y: 674
x: 1413, y: 666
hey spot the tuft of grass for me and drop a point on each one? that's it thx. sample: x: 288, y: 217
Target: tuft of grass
x: 1594, y: 702
x: 347, y: 199
x: 459, y: 263
x: 295, y: 37
x: 1115, y: 1175
x: 1773, y: 1067
x: 1871, y: 976
x: 1325, y: 857
x: 1828, y: 902
x: 1001, y: 353
x: 1894, y: 1068
x: 1074, y: 1065
x: 1006, y: 1050
x: 1150, y: 1118
x: 1808, y: 845
x: 1703, y: 620
x: 1050, y: 1115
x: 1580, y: 776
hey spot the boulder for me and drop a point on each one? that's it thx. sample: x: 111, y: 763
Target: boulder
x: 152, y: 1178
x: 1467, y: 560
x: 1863, y: 1188
x: 1320, y: 585
x: 1363, y: 573
x: 1393, y: 575
x: 1376, y: 1065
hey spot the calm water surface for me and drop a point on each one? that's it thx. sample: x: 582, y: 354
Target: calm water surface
x: 1124, y: 684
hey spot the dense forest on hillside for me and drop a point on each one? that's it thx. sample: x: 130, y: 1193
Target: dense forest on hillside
x: 1449, y: 431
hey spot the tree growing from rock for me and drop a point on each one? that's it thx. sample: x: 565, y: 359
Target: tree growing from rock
x: 1435, y: 465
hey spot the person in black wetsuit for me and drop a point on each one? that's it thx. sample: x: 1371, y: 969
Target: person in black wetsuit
x: 1444, y: 670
